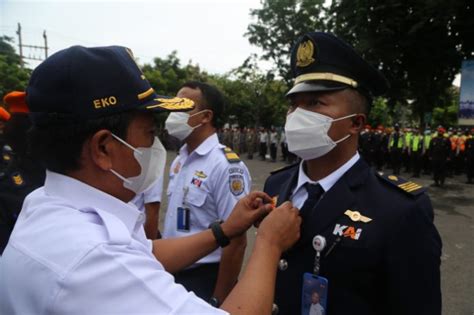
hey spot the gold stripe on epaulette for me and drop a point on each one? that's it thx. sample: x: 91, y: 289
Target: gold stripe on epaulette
x: 409, y: 186
x: 232, y: 156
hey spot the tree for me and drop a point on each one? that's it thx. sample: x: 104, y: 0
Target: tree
x: 418, y: 45
x: 12, y: 77
x: 278, y: 24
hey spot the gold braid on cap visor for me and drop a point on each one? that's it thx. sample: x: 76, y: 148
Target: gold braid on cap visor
x: 325, y: 76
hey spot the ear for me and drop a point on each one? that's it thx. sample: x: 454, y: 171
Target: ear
x: 358, y: 123
x: 208, y: 116
x: 101, y: 146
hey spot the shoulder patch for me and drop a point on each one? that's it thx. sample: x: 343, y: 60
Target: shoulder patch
x: 230, y: 155
x: 409, y: 187
x: 17, y: 179
x: 283, y: 168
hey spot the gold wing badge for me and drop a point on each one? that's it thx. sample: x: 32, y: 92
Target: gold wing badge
x: 304, y: 54
x: 356, y: 216
x: 175, y: 103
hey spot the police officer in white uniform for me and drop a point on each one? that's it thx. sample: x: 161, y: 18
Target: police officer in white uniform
x: 206, y: 180
x: 78, y: 246
x: 149, y: 202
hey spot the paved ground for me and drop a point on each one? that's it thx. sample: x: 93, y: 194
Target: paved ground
x: 454, y: 218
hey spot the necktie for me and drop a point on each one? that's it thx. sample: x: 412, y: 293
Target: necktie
x: 315, y: 192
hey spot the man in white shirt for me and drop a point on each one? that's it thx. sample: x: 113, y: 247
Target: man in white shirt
x: 205, y: 182
x: 263, y: 140
x: 149, y: 203
x: 78, y: 246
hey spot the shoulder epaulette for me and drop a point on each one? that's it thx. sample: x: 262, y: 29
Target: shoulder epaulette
x: 280, y: 169
x: 407, y: 186
x: 230, y: 155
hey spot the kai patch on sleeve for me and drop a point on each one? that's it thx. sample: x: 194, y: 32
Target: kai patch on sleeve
x: 409, y: 187
x: 236, y: 184
x: 230, y: 155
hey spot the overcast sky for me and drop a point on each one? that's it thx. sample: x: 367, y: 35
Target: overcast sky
x: 208, y: 32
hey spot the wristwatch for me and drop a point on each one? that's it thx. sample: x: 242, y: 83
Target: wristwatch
x: 214, y: 301
x: 221, y: 239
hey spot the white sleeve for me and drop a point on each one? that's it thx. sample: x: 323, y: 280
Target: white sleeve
x: 115, y: 279
x: 154, y: 193
x: 232, y: 183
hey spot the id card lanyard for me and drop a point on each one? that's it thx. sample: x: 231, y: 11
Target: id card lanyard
x: 315, y: 288
x: 183, y: 217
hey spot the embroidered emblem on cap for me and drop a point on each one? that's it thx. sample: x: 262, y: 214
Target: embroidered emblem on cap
x: 304, y: 54
x: 174, y: 103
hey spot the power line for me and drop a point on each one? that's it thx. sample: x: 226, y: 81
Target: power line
x: 21, y: 46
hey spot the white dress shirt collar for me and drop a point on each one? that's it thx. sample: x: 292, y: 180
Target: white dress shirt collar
x: 85, y: 197
x: 204, y: 148
x: 328, y: 181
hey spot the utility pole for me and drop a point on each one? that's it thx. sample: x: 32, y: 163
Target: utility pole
x: 21, y: 46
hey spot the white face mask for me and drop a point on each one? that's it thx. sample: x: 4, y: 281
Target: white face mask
x: 307, y: 133
x: 152, y: 161
x: 177, y: 124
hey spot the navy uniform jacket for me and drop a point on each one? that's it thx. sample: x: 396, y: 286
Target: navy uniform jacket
x: 391, y: 267
x: 16, y: 182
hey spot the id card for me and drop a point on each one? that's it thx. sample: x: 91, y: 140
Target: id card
x: 183, y: 219
x: 314, y: 295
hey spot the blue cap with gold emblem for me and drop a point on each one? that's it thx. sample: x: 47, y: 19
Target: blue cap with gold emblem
x: 322, y: 62
x: 80, y: 83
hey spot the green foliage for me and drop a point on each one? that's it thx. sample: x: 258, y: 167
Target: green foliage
x: 418, y: 45
x: 252, y: 99
x: 278, y: 24
x: 12, y: 77
x: 379, y: 113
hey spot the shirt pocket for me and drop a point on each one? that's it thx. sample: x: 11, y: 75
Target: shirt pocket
x: 196, y: 197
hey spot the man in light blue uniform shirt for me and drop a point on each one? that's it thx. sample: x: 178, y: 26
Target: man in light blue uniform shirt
x: 79, y: 246
x: 205, y: 182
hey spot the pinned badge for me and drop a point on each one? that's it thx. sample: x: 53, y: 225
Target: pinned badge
x: 200, y: 174
x: 356, y: 216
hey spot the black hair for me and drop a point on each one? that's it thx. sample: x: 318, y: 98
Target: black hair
x: 361, y: 102
x: 212, y: 99
x: 59, y: 147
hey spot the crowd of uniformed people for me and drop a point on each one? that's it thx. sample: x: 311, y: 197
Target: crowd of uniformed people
x: 335, y: 235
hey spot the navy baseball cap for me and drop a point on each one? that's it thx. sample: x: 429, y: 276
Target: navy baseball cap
x: 79, y: 83
x: 322, y: 62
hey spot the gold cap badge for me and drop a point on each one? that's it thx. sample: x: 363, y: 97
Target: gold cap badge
x: 356, y: 216
x: 304, y: 54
